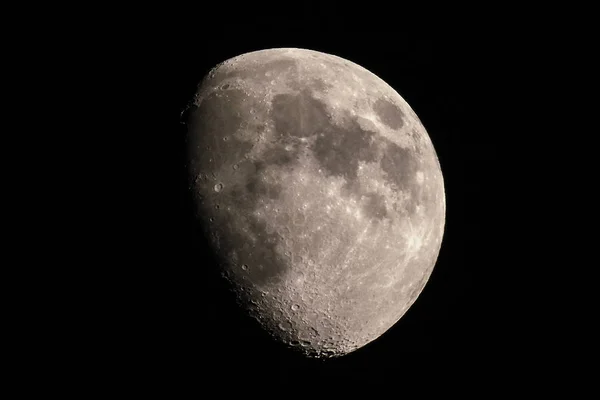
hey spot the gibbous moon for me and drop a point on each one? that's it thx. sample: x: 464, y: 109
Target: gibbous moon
x: 321, y: 194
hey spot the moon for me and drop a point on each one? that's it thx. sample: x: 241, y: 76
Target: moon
x: 320, y: 192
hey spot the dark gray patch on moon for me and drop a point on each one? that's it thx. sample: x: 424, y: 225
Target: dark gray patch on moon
x: 220, y: 115
x: 319, y: 85
x: 217, y: 113
x: 249, y: 187
x: 416, y: 135
x: 263, y: 261
x: 259, y: 189
x: 417, y: 140
x: 217, y: 118
x: 279, y: 155
x: 375, y: 206
x: 389, y: 113
x: 338, y: 149
x: 241, y: 199
x: 401, y: 166
x: 260, y: 263
x: 298, y: 115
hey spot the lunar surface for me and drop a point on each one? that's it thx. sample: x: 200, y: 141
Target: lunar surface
x: 321, y: 193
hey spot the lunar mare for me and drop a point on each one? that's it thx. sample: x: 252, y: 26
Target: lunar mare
x: 321, y: 194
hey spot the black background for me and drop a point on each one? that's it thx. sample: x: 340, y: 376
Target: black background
x: 180, y: 321
x: 132, y: 297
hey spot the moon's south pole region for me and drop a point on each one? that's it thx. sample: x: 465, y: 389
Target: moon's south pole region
x: 320, y: 193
